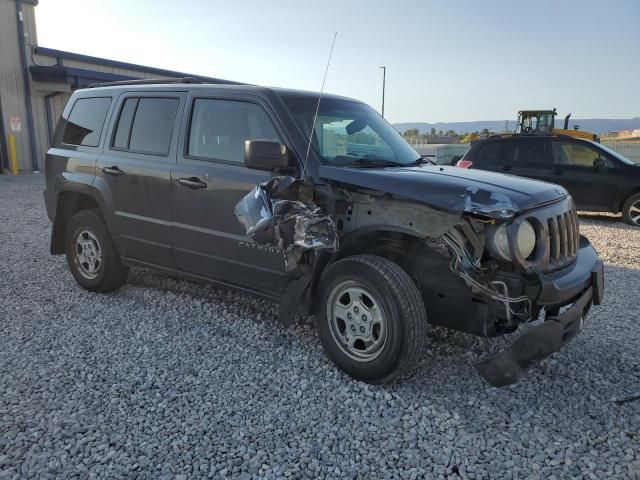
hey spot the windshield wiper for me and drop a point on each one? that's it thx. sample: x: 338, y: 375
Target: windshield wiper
x: 421, y: 161
x: 374, y: 162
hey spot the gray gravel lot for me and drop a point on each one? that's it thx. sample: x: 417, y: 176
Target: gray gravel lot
x: 169, y: 379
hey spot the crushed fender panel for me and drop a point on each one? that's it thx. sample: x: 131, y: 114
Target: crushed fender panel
x: 273, y: 215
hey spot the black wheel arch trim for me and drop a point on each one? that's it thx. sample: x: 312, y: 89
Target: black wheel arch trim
x: 63, y: 211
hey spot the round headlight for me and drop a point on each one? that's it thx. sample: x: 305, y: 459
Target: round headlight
x: 525, y: 241
x: 501, y: 243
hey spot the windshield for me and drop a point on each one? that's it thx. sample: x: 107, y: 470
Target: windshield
x: 350, y: 133
x: 614, y: 154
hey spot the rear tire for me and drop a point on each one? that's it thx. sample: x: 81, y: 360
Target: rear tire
x: 91, y: 255
x: 631, y: 210
x: 371, y: 319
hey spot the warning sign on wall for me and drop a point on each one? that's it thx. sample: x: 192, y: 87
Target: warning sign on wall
x: 15, y: 125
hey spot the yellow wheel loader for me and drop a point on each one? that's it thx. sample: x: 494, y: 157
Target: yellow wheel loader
x: 534, y: 122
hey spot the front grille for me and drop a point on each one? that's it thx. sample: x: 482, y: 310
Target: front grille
x: 563, y: 239
x: 558, y: 236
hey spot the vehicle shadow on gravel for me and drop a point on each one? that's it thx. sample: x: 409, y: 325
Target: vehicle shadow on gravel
x: 450, y: 354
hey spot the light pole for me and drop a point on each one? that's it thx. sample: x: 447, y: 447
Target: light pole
x: 384, y: 78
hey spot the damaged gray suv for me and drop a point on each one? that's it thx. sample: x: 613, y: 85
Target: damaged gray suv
x: 317, y: 203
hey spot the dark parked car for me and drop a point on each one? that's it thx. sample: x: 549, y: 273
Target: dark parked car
x: 597, y: 178
x: 354, y: 226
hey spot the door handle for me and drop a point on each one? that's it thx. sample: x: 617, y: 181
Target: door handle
x: 114, y: 170
x: 506, y: 168
x: 192, y: 182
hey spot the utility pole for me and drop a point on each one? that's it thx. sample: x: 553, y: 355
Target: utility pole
x: 384, y: 78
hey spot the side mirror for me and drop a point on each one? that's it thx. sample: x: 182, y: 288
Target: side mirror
x: 600, y: 164
x: 265, y: 155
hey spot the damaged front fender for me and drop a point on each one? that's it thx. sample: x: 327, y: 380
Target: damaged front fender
x: 273, y: 216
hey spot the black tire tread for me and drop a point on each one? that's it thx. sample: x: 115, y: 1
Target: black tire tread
x: 627, y: 205
x: 411, y: 307
x: 115, y: 272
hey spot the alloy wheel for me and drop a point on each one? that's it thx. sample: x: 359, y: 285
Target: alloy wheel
x: 88, y: 254
x: 357, y: 321
x: 634, y: 212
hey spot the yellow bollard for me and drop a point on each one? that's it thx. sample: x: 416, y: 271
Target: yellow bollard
x: 13, y: 155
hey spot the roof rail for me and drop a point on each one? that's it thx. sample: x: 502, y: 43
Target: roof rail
x: 147, y: 81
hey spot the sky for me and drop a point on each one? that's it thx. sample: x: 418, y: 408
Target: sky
x: 446, y: 60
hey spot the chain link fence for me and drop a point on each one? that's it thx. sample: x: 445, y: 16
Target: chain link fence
x: 446, y: 154
x: 631, y: 150
x: 441, y: 154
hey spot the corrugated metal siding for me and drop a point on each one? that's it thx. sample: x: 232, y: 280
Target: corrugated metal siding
x: 11, y: 85
x: 106, y: 69
x: 40, y: 127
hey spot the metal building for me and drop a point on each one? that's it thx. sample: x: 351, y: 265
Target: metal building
x: 36, y: 82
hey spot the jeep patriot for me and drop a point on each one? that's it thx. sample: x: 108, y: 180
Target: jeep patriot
x: 154, y: 175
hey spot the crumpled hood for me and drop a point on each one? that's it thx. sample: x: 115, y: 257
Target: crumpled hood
x: 452, y: 189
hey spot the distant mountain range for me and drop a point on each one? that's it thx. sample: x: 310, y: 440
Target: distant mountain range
x: 595, y: 125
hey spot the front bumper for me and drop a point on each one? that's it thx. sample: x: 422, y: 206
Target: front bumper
x: 581, y: 285
x: 561, y: 287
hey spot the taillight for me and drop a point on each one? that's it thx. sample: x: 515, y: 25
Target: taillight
x: 462, y: 163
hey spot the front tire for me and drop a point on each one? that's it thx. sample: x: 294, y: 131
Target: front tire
x: 631, y: 210
x: 371, y: 319
x: 91, y: 255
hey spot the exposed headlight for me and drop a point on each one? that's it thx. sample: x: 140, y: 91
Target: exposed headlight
x: 525, y: 241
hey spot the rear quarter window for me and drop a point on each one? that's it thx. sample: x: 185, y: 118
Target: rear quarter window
x: 85, y: 121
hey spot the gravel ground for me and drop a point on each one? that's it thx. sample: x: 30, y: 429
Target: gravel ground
x: 169, y: 379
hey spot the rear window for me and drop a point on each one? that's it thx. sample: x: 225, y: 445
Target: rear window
x: 85, y: 122
x: 145, y: 125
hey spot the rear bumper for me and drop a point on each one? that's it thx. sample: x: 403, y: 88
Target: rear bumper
x: 582, y: 286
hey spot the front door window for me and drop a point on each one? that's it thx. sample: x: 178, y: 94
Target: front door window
x: 574, y: 154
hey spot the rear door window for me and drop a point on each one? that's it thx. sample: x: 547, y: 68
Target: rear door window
x: 123, y: 130
x: 528, y: 150
x: 145, y: 125
x: 85, y: 122
x: 489, y: 152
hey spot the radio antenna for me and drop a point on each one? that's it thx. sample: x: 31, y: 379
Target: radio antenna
x: 315, y: 116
